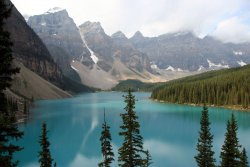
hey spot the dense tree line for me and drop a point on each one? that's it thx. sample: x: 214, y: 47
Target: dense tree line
x: 135, y: 85
x: 223, y: 87
x: 231, y: 155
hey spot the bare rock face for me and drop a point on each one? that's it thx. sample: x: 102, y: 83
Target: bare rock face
x: 128, y: 54
x: 99, y: 42
x: 109, y: 48
x: 55, y: 27
x: 185, y: 51
x: 61, y: 36
x: 30, y: 50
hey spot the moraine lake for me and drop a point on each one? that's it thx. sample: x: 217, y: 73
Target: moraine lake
x: 170, y: 131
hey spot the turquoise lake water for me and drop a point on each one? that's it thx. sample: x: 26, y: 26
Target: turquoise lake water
x: 170, y: 131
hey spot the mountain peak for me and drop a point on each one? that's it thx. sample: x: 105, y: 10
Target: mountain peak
x: 54, y: 10
x: 138, y: 34
x: 92, y: 26
x: 119, y: 34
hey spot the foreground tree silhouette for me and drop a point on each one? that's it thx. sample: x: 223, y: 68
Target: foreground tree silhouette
x: 230, y: 154
x: 131, y: 151
x: 205, y: 158
x: 105, y: 139
x: 243, y: 159
x: 45, y: 159
x: 8, y: 128
x: 148, y: 160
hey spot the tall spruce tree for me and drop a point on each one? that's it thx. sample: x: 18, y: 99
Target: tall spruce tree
x: 108, y: 155
x: 8, y: 128
x: 205, y: 158
x: 45, y: 158
x: 230, y: 152
x: 148, y: 160
x: 243, y: 159
x: 131, y: 151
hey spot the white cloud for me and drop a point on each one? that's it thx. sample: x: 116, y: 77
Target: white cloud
x: 152, y: 17
x: 80, y: 160
x: 233, y: 30
x: 162, y: 149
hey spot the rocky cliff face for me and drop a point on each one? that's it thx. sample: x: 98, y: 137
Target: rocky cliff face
x: 55, y: 27
x: 131, y: 57
x: 185, y: 51
x: 30, y: 50
x: 61, y: 36
x: 109, y: 48
x: 99, y: 42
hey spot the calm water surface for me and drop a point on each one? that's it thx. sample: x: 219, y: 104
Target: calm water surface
x: 170, y: 131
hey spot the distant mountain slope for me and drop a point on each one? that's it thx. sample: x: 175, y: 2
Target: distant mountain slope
x: 29, y: 50
x: 30, y: 85
x: 135, y: 85
x: 61, y: 36
x: 99, y: 60
x: 229, y: 87
x: 114, y: 59
x: 109, y: 48
x: 185, y: 51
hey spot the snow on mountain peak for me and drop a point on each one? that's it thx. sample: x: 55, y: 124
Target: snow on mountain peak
x: 241, y: 63
x: 240, y: 53
x: 153, y: 65
x: 170, y: 68
x: 201, y: 68
x: 92, y: 54
x: 211, y: 64
x: 54, y: 10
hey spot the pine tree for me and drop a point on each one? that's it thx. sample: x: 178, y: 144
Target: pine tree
x: 25, y: 108
x: 8, y: 128
x: 243, y: 159
x: 148, y: 160
x: 204, y: 158
x: 6, y: 69
x: 230, y: 154
x: 105, y: 139
x: 130, y: 153
x: 45, y: 159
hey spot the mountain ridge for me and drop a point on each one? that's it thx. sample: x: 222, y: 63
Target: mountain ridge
x: 29, y: 50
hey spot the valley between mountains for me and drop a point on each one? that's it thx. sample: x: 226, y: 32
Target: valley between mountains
x: 83, y: 58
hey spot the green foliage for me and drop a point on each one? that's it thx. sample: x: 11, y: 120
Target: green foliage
x: 148, y: 160
x: 204, y: 158
x: 222, y: 87
x: 6, y: 69
x: 105, y: 139
x: 230, y: 154
x: 135, y: 85
x: 8, y: 129
x: 73, y: 86
x: 243, y: 159
x: 131, y: 151
x: 45, y: 158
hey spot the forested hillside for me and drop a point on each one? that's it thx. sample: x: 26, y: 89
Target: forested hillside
x: 230, y: 87
x: 135, y: 85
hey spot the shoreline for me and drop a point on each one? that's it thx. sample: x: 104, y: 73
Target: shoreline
x: 232, y: 107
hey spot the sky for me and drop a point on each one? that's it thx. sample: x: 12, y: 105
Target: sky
x: 227, y: 20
